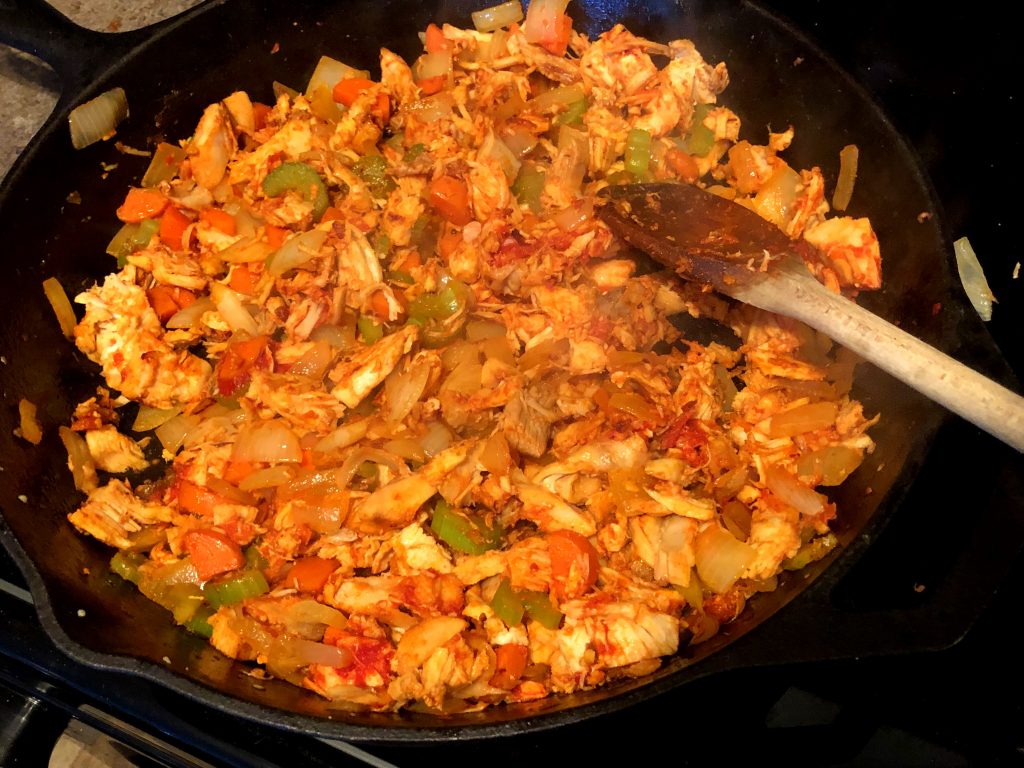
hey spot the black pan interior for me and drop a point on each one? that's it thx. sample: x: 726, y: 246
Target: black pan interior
x: 778, y: 79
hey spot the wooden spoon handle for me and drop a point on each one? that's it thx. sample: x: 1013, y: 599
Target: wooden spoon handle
x: 792, y: 291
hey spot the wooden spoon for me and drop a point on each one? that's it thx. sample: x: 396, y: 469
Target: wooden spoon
x: 711, y: 240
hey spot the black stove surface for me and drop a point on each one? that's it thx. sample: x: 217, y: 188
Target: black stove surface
x: 942, y: 76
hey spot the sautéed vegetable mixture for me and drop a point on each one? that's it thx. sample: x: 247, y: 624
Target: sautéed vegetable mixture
x: 431, y: 439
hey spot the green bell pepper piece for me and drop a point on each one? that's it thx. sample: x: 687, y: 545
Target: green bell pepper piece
x: 461, y: 532
x: 248, y: 583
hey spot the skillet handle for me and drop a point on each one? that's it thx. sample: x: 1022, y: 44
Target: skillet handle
x: 78, y: 55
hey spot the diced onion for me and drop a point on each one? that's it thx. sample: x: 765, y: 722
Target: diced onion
x: 434, y: 65
x: 149, y: 417
x: 774, y: 199
x: 324, y: 515
x: 98, y: 118
x: 720, y: 558
x: 407, y: 448
x: 269, y: 477
x: 495, y: 149
x: 192, y: 314
x: 272, y: 442
x: 403, y: 388
x: 329, y: 72
x: 556, y: 99
x: 973, y: 278
x: 313, y: 612
x: 541, y: 18
x: 574, y: 215
x: 437, y: 438
x: 61, y: 306
x: 339, y: 337
x: 230, y: 306
x: 477, y: 330
x: 829, y: 466
x: 432, y: 109
x: 792, y: 492
x: 172, y: 433
x: 29, y: 424
x: 497, y: 16
x: 848, y: 157
x: 83, y: 468
x: 285, y: 656
x: 803, y: 418
x: 297, y: 251
x: 347, y: 434
x: 315, y: 361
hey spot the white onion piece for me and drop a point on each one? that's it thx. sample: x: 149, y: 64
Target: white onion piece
x: 329, y: 72
x: 973, y: 278
x: 172, y: 433
x: 403, y: 388
x: 192, y: 314
x: 848, y: 157
x: 272, y: 442
x: 497, y: 16
x: 297, y: 251
x: 315, y: 361
x: 433, y: 108
x: 434, y: 65
x: 407, y: 448
x: 792, y: 492
x: 58, y: 299
x: 98, y: 118
x: 571, y: 217
x: 149, y: 417
x: 343, y: 338
x: 495, y: 149
x: 270, y: 477
x: 230, y: 306
x: 313, y: 612
x: 347, y: 434
x: 437, y: 438
x: 720, y: 558
x: 323, y: 516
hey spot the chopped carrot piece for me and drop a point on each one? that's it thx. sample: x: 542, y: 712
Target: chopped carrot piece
x: 239, y: 359
x: 509, y: 665
x: 684, y: 166
x: 574, y: 564
x: 382, y: 109
x: 259, y: 114
x: 242, y: 280
x: 345, y: 91
x: 172, y: 227
x: 212, y: 552
x: 448, y: 241
x: 450, y: 198
x: 168, y: 300
x: 237, y: 470
x: 219, y: 220
x: 332, y: 214
x: 141, y: 204
x: 309, y: 574
x: 277, y: 235
x: 435, y: 40
x: 198, y: 499
x: 432, y: 85
x: 559, y: 42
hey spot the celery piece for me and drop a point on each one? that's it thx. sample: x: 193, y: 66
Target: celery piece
x: 249, y: 583
x: 539, y: 608
x: 573, y: 114
x: 507, y: 605
x: 301, y: 178
x: 638, y: 152
x: 126, y: 565
x: 528, y: 186
x: 701, y: 138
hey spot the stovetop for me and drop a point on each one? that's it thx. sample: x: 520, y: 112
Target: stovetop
x: 942, y: 78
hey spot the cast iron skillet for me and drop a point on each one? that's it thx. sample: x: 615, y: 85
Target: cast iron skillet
x: 172, y: 71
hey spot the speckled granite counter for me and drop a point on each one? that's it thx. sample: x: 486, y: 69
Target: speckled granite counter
x: 29, y: 89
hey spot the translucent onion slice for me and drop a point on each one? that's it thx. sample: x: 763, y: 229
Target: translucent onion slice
x: 61, y: 306
x: 272, y: 442
x: 98, y: 118
x: 403, y: 388
x: 230, y: 306
x: 848, y: 157
x: 803, y: 418
x: 192, y: 314
x: 791, y: 491
x: 497, y: 16
x: 720, y: 558
x: 297, y: 251
x: 347, y: 434
x: 973, y: 278
x: 149, y: 417
x: 270, y: 477
x: 83, y: 468
x: 172, y: 433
